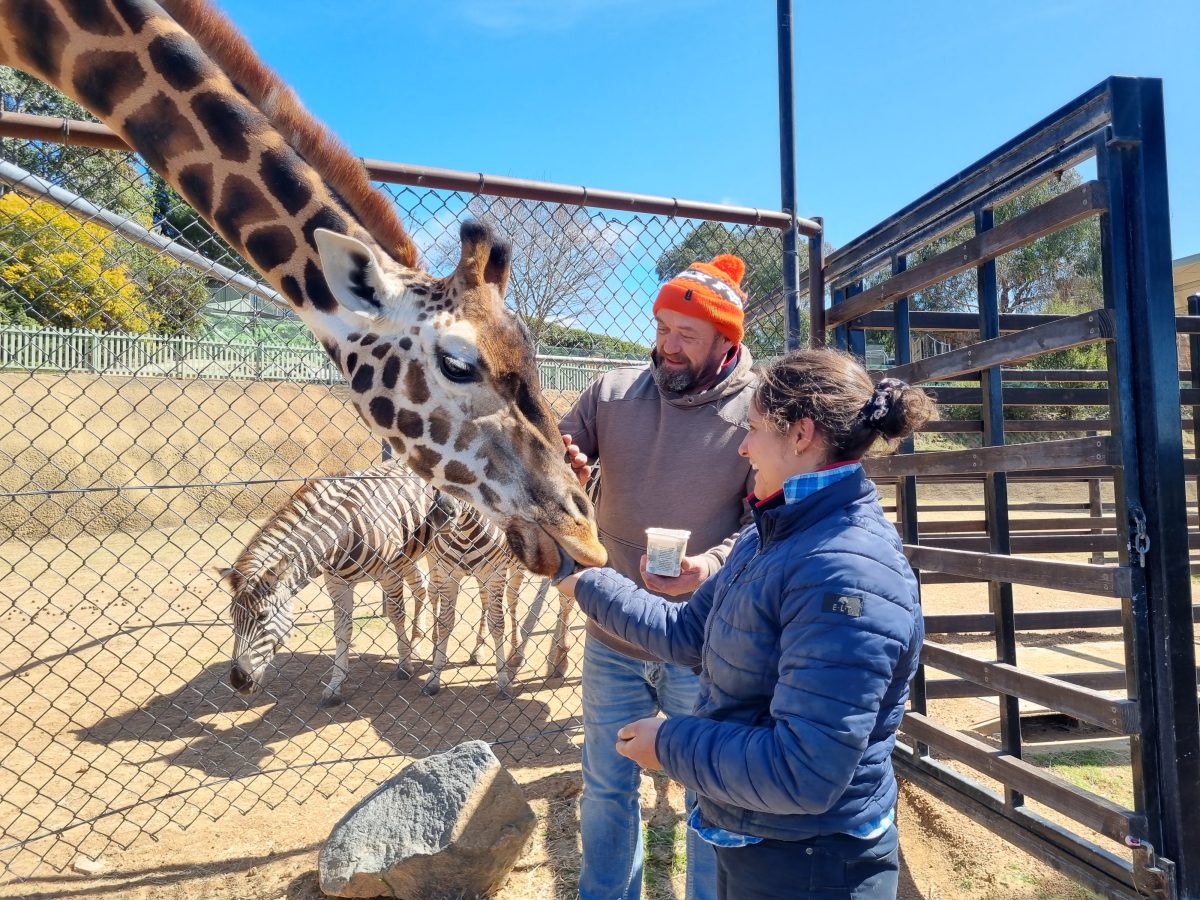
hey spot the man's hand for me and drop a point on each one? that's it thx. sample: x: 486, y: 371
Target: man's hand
x: 636, y: 741
x: 578, y: 461
x: 692, y: 572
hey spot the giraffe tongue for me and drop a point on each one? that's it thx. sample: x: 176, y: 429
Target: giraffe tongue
x: 566, y: 566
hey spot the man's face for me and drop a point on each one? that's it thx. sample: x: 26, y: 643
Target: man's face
x: 690, y: 351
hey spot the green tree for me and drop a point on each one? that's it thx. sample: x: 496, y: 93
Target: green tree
x: 61, y: 271
x: 761, y: 249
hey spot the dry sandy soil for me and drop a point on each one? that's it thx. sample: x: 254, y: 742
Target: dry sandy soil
x: 120, y: 738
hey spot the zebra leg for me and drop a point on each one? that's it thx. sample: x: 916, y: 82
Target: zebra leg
x: 418, y: 586
x: 516, y: 655
x: 479, y: 631
x: 341, y: 592
x: 495, y: 621
x: 560, y: 649
x: 445, y: 593
x: 393, y: 606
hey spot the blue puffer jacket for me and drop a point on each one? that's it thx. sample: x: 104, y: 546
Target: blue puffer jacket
x: 807, y: 638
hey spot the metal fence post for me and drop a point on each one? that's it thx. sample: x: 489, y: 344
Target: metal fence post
x: 1152, y: 511
x: 787, y: 178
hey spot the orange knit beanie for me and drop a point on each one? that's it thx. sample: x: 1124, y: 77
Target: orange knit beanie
x: 710, y: 291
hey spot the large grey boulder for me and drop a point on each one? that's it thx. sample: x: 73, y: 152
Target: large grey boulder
x: 449, y: 826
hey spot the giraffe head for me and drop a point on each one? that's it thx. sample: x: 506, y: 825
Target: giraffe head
x: 440, y: 368
x: 447, y: 372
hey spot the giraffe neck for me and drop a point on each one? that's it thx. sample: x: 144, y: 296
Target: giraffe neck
x: 151, y: 82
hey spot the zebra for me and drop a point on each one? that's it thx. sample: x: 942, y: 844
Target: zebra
x: 374, y: 526
x: 369, y: 525
x: 474, y: 546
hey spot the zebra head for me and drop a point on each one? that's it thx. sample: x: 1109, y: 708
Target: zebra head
x: 262, y: 619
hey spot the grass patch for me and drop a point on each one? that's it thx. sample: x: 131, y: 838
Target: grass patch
x: 1101, y: 771
x: 666, y: 858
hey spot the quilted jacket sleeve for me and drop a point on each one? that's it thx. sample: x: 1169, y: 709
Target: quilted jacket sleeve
x: 671, y: 631
x: 833, y: 674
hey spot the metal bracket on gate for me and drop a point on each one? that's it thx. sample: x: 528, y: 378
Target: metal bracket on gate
x: 1153, y: 876
x: 1139, y: 540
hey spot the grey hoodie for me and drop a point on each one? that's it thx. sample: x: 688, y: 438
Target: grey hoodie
x: 666, y: 461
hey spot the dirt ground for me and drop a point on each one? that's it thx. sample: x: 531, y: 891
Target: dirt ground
x: 120, y: 739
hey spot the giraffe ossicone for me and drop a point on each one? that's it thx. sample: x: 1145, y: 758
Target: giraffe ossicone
x: 439, y: 367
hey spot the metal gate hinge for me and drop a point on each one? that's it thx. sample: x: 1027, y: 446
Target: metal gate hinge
x: 1153, y: 876
x: 1139, y: 540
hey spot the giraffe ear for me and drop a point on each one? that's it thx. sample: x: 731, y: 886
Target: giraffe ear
x: 353, y: 273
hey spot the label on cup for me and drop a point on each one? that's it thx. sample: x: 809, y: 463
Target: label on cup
x: 665, y: 549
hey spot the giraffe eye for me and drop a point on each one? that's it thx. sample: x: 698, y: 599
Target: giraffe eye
x: 457, y: 369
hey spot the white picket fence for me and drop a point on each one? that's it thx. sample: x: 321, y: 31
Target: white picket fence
x: 122, y: 353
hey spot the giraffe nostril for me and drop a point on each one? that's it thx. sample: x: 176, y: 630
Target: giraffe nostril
x: 578, y: 505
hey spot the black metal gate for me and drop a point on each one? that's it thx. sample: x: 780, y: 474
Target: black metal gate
x: 1112, y: 140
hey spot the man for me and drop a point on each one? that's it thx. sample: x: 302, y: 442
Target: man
x: 666, y: 437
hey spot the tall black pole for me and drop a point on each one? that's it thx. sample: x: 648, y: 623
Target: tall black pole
x: 787, y: 177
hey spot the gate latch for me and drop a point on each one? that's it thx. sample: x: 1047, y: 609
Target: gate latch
x: 1153, y: 876
x: 1139, y: 540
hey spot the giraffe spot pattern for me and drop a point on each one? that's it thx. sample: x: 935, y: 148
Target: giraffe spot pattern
x: 404, y: 343
x: 335, y: 353
x: 136, y: 13
x: 104, y: 79
x: 379, y: 351
x: 459, y: 473
x: 422, y: 460
x: 271, y: 246
x: 178, y: 60
x: 39, y: 35
x: 397, y: 444
x: 196, y: 183
x: 161, y: 132
x: 323, y: 218
x: 414, y: 383
x: 468, y: 432
x: 391, y: 372
x: 93, y: 17
x: 409, y: 423
x: 383, y: 411
x: 353, y: 337
x: 242, y: 204
x: 227, y: 121
x: 351, y: 362
x: 439, y: 426
x: 491, y: 498
x: 291, y: 290
x: 317, y: 289
x: 283, y: 176
x: 363, y: 379
x: 369, y: 339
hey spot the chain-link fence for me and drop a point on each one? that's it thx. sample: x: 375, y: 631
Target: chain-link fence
x: 168, y: 436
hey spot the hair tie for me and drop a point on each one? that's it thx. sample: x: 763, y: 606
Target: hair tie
x: 880, y: 404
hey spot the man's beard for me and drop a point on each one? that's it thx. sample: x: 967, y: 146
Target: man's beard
x: 677, y: 380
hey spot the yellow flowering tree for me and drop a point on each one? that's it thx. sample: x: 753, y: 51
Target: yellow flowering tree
x: 56, y: 269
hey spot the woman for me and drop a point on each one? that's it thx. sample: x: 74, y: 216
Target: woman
x: 806, y: 639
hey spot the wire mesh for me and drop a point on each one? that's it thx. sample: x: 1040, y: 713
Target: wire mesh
x: 162, y: 424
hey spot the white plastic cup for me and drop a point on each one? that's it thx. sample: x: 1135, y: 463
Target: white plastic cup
x: 665, y: 550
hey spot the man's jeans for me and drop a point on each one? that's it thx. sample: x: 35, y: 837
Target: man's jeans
x: 618, y: 690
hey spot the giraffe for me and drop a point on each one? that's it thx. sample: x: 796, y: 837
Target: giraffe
x: 438, y: 367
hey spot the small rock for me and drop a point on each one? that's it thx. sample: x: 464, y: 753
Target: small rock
x: 451, y: 825
x: 85, y: 865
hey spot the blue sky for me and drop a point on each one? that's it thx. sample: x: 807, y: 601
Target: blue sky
x: 678, y: 97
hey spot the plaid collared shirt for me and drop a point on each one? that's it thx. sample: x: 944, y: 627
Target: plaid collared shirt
x: 806, y: 484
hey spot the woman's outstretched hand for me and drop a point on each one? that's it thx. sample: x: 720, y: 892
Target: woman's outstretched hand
x: 636, y: 741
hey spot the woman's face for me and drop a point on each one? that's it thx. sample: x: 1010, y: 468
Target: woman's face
x: 773, y: 455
